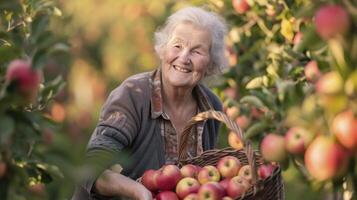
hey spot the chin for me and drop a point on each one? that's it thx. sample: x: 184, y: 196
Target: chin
x: 179, y: 81
x: 180, y: 84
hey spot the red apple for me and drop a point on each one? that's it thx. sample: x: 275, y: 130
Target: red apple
x: 246, y: 173
x: 231, y: 54
x: 228, y: 166
x: 297, y: 38
x: 230, y: 92
x: 257, y: 113
x: 325, y: 159
x: 240, y: 6
x: 265, y: 171
x: 167, y: 195
x: 329, y: 83
x: 26, y: 79
x: 3, y: 169
x: 149, y: 179
x: 211, y: 191
x: 187, y: 186
x: 273, y: 148
x: 193, y: 196
x: 37, y: 189
x: 297, y: 139
x: 237, y: 187
x: 168, y: 176
x: 207, y: 174
x: 234, y: 141
x: 189, y: 170
x: 224, y: 183
x: 344, y: 126
x: 232, y: 112
x: 312, y: 71
x: 243, y: 121
x: 331, y: 20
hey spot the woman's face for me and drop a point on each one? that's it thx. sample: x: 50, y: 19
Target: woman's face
x: 186, y: 57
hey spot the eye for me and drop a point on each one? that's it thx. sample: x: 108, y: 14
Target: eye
x: 177, y: 46
x: 196, y: 52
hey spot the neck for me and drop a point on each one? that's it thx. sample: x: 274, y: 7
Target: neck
x: 176, y: 98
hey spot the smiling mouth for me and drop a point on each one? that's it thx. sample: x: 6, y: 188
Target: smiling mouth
x: 181, y: 69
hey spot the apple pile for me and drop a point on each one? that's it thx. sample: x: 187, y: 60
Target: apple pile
x: 229, y: 179
x: 326, y: 157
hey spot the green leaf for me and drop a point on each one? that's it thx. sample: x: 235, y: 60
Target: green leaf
x: 57, y: 12
x: 8, y: 53
x: 255, y: 129
x: 337, y: 52
x: 39, y: 24
x: 52, y: 88
x: 59, y: 48
x: 52, y: 170
x: 7, y: 126
x: 39, y: 59
x: 284, y: 87
x: 257, y: 82
x: 287, y: 29
x: 272, y: 70
x: 310, y: 40
x: 252, y: 100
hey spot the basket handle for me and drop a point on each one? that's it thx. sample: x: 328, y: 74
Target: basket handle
x: 220, y: 116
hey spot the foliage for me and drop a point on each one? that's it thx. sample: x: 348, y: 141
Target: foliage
x: 267, y: 88
x: 26, y: 126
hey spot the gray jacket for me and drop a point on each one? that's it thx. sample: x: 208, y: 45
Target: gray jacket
x: 129, y: 131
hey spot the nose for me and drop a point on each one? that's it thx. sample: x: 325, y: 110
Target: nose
x: 184, y: 57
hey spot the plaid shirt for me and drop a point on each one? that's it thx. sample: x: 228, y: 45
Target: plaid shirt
x: 168, y: 132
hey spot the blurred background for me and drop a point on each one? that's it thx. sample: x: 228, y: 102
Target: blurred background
x: 86, y: 48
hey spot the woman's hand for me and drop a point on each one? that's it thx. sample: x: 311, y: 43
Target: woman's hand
x: 114, y: 184
x: 141, y: 193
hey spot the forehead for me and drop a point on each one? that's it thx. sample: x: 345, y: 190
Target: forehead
x: 188, y: 32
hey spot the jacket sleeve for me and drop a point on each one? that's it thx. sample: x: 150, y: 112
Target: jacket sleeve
x: 119, y: 120
x: 118, y: 126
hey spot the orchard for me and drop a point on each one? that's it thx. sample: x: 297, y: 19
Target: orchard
x: 27, y: 129
x: 293, y: 78
x: 291, y: 87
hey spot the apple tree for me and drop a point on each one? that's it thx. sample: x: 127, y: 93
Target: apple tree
x: 27, y: 46
x: 292, y: 85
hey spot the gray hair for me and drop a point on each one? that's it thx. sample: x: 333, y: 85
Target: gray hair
x: 200, y: 17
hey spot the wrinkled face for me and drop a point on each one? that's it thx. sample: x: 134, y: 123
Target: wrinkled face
x: 186, y: 57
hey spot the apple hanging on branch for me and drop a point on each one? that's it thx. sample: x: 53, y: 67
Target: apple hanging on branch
x: 240, y: 6
x: 273, y: 148
x: 326, y: 159
x: 23, y: 79
x: 331, y: 21
x: 344, y: 126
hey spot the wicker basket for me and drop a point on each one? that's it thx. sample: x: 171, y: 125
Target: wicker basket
x: 272, y: 188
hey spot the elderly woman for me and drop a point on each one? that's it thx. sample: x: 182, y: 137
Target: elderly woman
x: 145, y: 115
